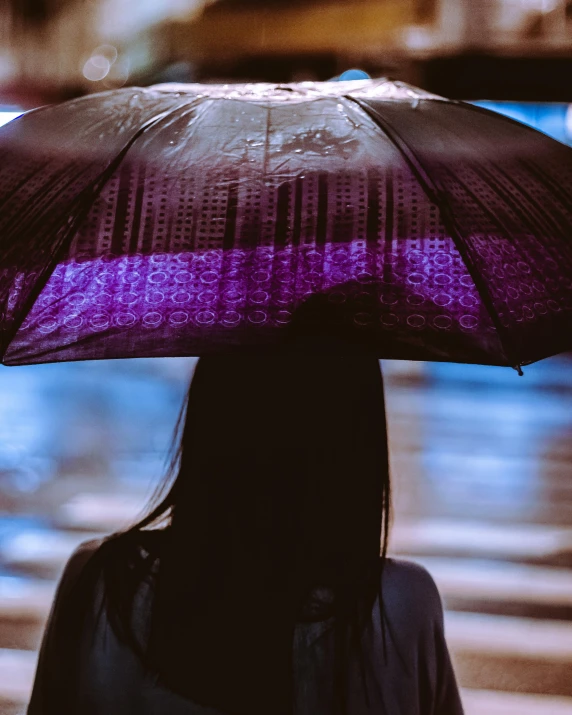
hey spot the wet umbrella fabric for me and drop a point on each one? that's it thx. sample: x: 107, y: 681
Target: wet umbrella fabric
x: 191, y: 219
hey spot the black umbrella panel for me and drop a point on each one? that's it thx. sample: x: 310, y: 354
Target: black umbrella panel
x: 199, y: 219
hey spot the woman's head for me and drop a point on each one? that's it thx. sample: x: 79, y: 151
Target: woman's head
x: 285, y: 458
x: 282, y: 485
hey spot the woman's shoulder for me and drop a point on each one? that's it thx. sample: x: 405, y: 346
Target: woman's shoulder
x: 410, y: 587
x: 79, y: 558
x: 409, y: 572
x: 127, y: 549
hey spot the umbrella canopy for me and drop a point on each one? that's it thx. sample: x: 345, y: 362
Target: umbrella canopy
x: 195, y: 219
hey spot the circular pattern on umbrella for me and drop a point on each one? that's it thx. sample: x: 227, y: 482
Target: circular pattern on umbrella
x: 221, y: 242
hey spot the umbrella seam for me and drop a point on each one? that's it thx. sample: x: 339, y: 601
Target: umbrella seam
x: 436, y: 195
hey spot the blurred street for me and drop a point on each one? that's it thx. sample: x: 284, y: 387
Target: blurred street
x: 482, y: 472
x: 481, y: 458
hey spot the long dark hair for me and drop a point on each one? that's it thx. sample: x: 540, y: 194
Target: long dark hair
x: 281, y: 485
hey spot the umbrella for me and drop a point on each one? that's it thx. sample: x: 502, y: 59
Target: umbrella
x: 198, y: 219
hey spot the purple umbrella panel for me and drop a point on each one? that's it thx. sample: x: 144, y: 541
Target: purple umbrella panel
x: 191, y: 220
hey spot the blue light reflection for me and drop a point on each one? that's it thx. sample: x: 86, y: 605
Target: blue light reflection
x: 552, y: 118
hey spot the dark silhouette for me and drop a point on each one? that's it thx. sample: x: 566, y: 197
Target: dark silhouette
x: 254, y: 585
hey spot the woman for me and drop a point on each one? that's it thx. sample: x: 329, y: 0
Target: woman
x: 256, y: 586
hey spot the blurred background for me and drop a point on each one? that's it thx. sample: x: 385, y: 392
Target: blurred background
x: 481, y: 459
x: 470, y: 49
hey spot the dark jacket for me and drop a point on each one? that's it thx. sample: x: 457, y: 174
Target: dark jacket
x: 414, y: 678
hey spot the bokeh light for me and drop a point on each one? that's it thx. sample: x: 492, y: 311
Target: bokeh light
x: 96, y: 68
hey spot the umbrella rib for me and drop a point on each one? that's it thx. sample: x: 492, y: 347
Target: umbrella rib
x: 436, y: 195
x: 78, y: 214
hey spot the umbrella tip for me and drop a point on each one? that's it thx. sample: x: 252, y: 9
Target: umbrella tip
x: 350, y: 75
x: 518, y: 368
